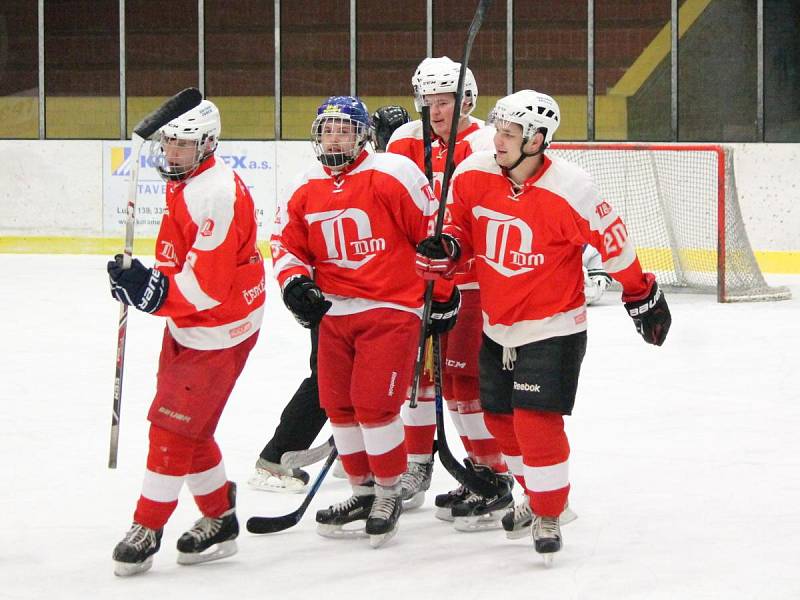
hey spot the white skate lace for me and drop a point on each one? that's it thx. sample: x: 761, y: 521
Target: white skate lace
x: 522, y: 512
x: 383, y: 507
x: 205, y: 528
x: 474, y: 499
x: 415, y: 477
x: 140, y: 537
x: 546, y: 528
x: 346, y: 505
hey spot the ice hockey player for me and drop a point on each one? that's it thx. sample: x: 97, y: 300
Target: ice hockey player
x: 524, y: 218
x: 435, y: 83
x: 208, y: 281
x: 343, y: 249
x: 302, y: 419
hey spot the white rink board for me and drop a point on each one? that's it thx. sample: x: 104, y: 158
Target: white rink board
x: 57, y: 187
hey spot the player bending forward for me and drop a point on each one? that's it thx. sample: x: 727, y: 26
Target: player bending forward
x: 524, y: 218
x: 344, y: 247
x: 209, y: 283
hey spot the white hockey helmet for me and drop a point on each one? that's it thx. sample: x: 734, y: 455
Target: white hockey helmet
x: 201, y: 125
x: 440, y: 76
x: 532, y: 110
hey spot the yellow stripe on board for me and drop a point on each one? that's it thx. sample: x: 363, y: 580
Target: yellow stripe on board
x: 702, y: 260
x: 657, y: 50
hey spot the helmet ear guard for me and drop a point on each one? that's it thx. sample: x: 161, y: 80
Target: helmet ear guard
x: 344, y: 115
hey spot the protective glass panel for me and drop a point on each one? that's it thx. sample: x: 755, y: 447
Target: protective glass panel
x: 717, y: 75
x: 81, y: 48
x: 550, y: 41
x: 315, y: 63
x: 390, y: 43
x: 451, y: 20
x: 240, y: 66
x: 161, y: 48
x: 782, y: 70
x: 19, y: 79
x: 632, y: 70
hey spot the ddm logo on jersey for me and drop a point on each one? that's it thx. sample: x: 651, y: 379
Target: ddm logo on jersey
x: 499, y: 256
x: 341, y: 251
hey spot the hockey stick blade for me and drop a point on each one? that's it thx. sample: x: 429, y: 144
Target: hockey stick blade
x: 275, y: 524
x: 294, y: 459
x: 181, y: 102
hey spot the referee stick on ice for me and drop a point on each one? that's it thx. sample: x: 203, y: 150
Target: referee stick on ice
x: 172, y: 108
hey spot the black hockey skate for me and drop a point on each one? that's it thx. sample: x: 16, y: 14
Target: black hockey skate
x: 479, y: 513
x: 445, y: 502
x: 134, y: 554
x: 517, y: 521
x: 546, y: 537
x: 211, y: 538
x: 333, y: 521
x: 414, y: 483
x: 382, y: 522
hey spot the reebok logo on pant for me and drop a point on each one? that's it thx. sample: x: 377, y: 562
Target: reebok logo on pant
x: 527, y: 387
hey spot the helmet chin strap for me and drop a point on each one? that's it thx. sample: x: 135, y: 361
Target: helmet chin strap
x: 523, y: 155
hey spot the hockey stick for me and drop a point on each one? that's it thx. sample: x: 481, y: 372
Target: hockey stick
x: 474, y: 27
x: 172, y: 108
x: 466, y: 477
x: 294, y: 459
x: 275, y: 524
x: 428, y: 162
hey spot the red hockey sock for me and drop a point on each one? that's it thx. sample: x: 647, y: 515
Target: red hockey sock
x: 545, y: 454
x: 383, y: 440
x: 168, y: 461
x: 501, y: 426
x: 207, y: 480
x: 350, y: 445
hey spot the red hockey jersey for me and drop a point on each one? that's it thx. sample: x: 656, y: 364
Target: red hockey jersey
x: 408, y: 141
x: 527, y: 243
x: 356, y: 233
x: 207, y: 248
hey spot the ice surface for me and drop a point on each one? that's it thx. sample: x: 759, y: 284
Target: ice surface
x: 685, y: 463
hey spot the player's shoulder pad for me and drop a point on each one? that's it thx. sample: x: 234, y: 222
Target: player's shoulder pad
x: 482, y: 161
x: 481, y: 139
x: 571, y: 182
x: 211, y: 190
x: 412, y: 130
x: 398, y: 166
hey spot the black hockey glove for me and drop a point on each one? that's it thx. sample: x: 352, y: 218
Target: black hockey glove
x: 302, y: 296
x: 651, y: 316
x: 444, y: 314
x: 138, y: 286
x: 437, y: 258
x: 385, y: 120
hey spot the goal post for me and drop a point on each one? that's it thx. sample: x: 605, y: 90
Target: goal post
x: 680, y: 205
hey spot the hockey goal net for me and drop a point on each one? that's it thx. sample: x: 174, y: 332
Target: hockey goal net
x: 680, y: 206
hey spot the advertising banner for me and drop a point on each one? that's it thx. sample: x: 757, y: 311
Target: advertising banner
x: 253, y: 161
